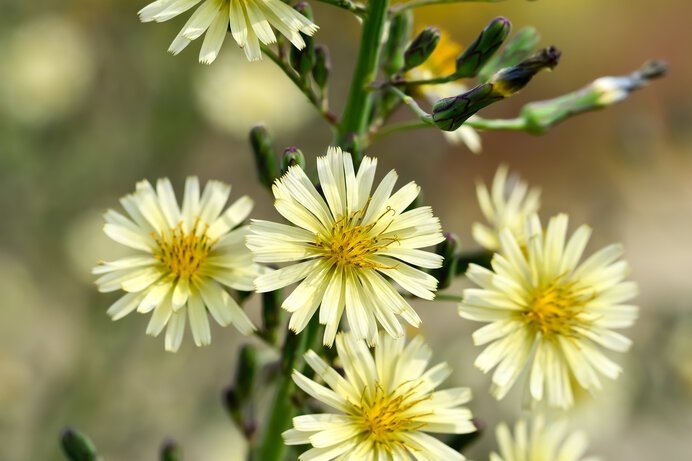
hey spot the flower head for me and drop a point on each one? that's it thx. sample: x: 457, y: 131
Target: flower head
x: 544, y: 443
x: 386, y: 402
x: 250, y: 22
x: 343, y: 246
x: 550, y: 313
x: 185, y: 257
x: 439, y: 64
x: 508, y: 204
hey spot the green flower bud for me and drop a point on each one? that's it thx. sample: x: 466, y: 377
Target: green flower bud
x: 170, y: 451
x: 447, y: 249
x: 517, y: 49
x: 421, y: 47
x: 262, y: 144
x: 233, y: 405
x: 481, y: 50
x: 246, y: 372
x: 400, y: 28
x: 323, y: 67
x: 602, y: 92
x: 77, y: 446
x: 271, y: 301
x: 450, y: 113
x: 509, y: 80
x: 304, y: 60
x: 292, y: 156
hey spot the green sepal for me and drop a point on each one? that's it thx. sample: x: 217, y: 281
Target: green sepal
x: 400, y: 29
x: 482, y: 49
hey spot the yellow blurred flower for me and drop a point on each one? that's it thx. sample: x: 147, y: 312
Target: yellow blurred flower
x: 45, y: 71
x: 265, y: 96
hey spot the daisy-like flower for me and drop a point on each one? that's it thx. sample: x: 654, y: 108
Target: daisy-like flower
x: 345, y: 246
x: 508, y: 204
x: 440, y: 63
x: 250, y: 22
x: 544, y: 443
x: 549, y: 313
x: 385, y: 404
x: 185, y: 257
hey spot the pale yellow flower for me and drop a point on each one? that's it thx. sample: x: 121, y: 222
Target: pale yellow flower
x: 185, y: 258
x: 508, y: 204
x: 549, y: 313
x: 345, y: 246
x: 250, y: 21
x: 544, y: 442
x: 385, y: 404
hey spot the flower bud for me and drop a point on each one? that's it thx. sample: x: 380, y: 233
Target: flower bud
x: 509, y: 80
x: 77, y: 446
x: 447, y: 249
x: 602, y: 92
x: 170, y: 451
x: 271, y: 301
x: 233, y: 405
x: 400, y: 28
x: 245, y: 372
x: 450, y: 113
x: 481, y: 50
x: 292, y: 156
x: 303, y: 60
x: 323, y: 67
x: 262, y: 144
x: 517, y: 49
x: 421, y: 47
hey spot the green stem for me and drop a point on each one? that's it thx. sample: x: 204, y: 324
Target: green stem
x: 418, y: 3
x: 282, y: 410
x: 409, y: 101
x: 447, y: 297
x: 346, y: 5
x: 359, y: 102
x: 302, y: 85
x: 474, y: 122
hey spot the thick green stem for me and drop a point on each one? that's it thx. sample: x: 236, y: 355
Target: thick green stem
x: 359, y: 103
x: 272, y: 447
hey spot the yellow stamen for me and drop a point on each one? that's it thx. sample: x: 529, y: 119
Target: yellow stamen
x: 350, y: 243
x: 555, y: 309
x: 383, y: 416
x: 185, y: 252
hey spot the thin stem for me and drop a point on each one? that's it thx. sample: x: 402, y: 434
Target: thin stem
x: 347, y: 5
x: 359, y: 102
x: 398, y: 128
x: 447, y: 297
x: 282, y: 410
x: 302, y: 85
x: 409, y: 101
x: 418, y: 3
x: 474, y: 122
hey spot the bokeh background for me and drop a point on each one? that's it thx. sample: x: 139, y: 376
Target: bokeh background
x: 90, y: 103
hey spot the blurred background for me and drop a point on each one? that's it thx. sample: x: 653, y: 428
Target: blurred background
x: 90, y: 103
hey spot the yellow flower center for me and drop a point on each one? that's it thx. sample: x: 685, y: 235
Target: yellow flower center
x: 183, y: 252
x: 350, y: 243
x: 385, y: 415
x: 554, y: 310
